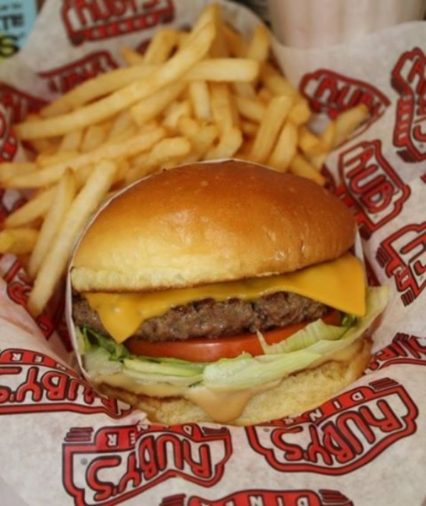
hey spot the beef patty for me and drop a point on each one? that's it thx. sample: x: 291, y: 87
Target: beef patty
x: 209, y: 318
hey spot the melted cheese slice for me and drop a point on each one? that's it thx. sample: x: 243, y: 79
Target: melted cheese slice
x: 339, y: 284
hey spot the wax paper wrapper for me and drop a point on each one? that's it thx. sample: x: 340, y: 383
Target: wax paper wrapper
x: 61, y: 443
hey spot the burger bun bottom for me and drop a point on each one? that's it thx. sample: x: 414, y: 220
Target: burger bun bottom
x: 294, y: 394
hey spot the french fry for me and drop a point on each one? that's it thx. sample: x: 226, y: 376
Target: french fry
x: 107, y: 107
x: 109, y: 151
x: 258, y: 48
x: 150, y: 107
x: 207, y: 17
x: 221, y: 106
x: 54, y: 263
x: 301, y: 167
x: 171, y: 149
x: 328, y: 135
x: 71, y: 141
x: 203, y: 140
x: 229, y: 144
x: 245, y: 90
x: 9, y: 169
x: 188, y: 127
x: 219, y: 69
x: 219, y: 48
x: 182, y: 39
x: 311, y: 144
x: 174, y: 112
x: 44, y: 160
x: 61, y: 201
x: 130, y: 56
x: 99, y: 86
x: 224, y: 69
x: 300, y: 112
x: 31, y: 210
x: 200, y: 99
x: 201, y: 137
x: 121, y: 123
x: 272, y: 121
x: 93, y: 137
x: 161, y: 46
x: 253, y: 110
x: 123, y: 166
x: 285, y: 149
x: 275, y: 82
x: 18, y: 241
x: 235, y: 42
x: 318, y: 160
x: 348, y: 121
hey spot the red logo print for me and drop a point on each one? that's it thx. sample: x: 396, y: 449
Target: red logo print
x: 92, y: 20
x: 409, y: 80
x: 33, y: 382
x: 260, y: 497
x: 370, y: 186
x: 14, y: 107
x: 136, y: 458
x: 8, y: 142
x: 371, y: 275
x: 404, y: 349
x: 403, y: 256
x: 332, y: 93
x: 63, y: 79
x: 343, y: 434
x: 18, y: 289
x: 18, y: 104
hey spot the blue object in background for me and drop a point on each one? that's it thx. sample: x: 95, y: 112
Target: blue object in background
x: 16, y: 21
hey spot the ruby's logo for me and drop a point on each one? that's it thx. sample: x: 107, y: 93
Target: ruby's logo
x: 63, y: 79
x: 371, y: 186
x: 331, y: 93
x: 33, y: 382
x: 409, y: 80
x: 92, y: 20
x: 261, y: 497
x: 343, y: 434
x: 403, y: 256
x: 404, y: 349
x: 116, y: 463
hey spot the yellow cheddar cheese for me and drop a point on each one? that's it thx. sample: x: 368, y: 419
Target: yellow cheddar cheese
x: 339, y: 283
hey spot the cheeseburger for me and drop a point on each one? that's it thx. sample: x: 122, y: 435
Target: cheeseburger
x: 221, y: 292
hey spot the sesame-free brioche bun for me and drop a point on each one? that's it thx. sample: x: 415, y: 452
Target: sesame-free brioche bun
x: 210, y: 222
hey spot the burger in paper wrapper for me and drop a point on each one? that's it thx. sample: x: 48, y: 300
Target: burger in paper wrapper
x: 221, y: 292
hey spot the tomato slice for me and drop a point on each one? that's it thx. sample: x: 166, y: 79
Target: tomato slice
x: 212, y: 349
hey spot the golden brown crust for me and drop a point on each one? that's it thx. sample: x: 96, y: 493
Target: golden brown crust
x: 211, y: 222
x: 295, y: 394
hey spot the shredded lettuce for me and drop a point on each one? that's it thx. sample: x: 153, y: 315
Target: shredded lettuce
x: 116, y: 351
x: 315, y: 342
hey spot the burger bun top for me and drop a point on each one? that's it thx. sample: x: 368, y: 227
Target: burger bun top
x: 210, y: 222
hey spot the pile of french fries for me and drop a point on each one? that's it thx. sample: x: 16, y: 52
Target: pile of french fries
x: 199, y: 95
